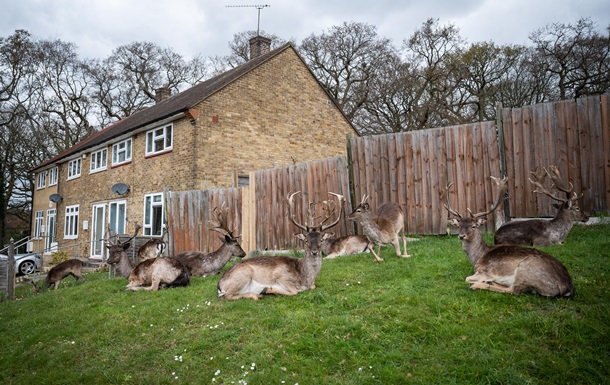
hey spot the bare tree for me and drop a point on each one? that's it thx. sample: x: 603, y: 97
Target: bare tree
x: 576, y: 56
x: 348, y: 59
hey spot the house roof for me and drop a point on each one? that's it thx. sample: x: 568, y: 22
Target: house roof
x: 171, y: 106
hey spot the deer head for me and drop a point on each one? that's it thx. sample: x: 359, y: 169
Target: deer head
x: 569, y: 202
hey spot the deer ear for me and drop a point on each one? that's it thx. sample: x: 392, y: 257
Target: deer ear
x: 125, y: 245
x: 300, y: 236
x: 366, y: 206
x: 227, y: 239
x: 481, y: 221
x: 454, y: 222
x: 328, y: 235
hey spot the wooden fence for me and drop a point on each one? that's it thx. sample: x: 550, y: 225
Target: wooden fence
x: 413, y: 169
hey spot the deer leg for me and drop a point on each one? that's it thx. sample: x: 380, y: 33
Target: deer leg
x: 57, y: 284
x: 370, y: 247
x: 491, y: 287
x: 282, y: 290
x: 250, y: 295
x: 396, y: 245
x: 155, y: 285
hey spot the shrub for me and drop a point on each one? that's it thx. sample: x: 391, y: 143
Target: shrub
x: 58, y: 257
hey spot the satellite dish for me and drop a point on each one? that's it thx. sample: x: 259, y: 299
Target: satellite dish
x: 55, y: 198
x: 120, y: 188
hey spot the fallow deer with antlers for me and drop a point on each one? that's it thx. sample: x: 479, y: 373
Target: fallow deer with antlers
x: 381, y: 227
x: 540, y: 232
x: 150, y: 274
x: 508, y: 268
x: 201, y: 264
x: 253, y: 277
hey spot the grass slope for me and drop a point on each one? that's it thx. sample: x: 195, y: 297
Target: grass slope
x: 401, y: 321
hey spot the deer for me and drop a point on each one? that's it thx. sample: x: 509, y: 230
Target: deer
x: 73, y: 267
x: 541, y: 232
x: 282, y: 275
x: 150, y: 274
x: 118, y: 256
x: 381, y: 227
x: 346, y: 245
x: 508, y: 268
x: 201, y: 264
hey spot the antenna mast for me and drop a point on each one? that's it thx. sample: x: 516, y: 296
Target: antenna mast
x: 259, y: 7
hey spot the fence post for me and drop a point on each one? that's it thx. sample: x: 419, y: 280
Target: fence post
x: 10, y: 288
x: 502, y: 155
x: 350, y: 179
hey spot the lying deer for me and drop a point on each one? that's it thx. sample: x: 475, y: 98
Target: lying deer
x: 201, y: 264
x: 150, y: 274
x: 73, y: 267
x: 381, y: 227
x: 508, y: 268
x: 118, y: 256
x: 155, y: 273
x: 347, y: 245
x: 539, y: 232
x: 253, y: 277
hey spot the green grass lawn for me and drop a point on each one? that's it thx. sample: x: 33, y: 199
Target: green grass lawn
x: 396, y: 322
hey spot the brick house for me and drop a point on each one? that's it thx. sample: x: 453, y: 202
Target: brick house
x: 268, y: 112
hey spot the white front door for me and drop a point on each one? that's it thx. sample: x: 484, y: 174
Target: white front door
x: 50, y: 239
x: 98, y: 231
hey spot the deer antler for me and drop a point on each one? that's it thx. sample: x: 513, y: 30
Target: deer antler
x: 290, y: 209
x: 448, y: 205
x: 220, y: 222
x: 328, y: 208
x: 501, y: 191
x: 539, y: 178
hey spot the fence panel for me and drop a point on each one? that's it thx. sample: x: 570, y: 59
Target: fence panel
x: 274, y: 231
x: 188, y: 216
x: 418, y: 166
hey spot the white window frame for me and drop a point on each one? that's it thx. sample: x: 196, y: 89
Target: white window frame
x: 98, y: 161
x: 71, y: 222
x: 119, y: 149
x: 160, y: 135
x: 74, y: 167
x: 53, y: 176
x: 38, y: 224
x: 41, y: 180
x: 114, y: 221
x: 152, y: 201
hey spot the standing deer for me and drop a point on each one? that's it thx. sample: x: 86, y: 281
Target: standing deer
x: 347, y: 245
x: 150, y: 274
x: 201, y: 264
x: 253, y: 277
x: 381, y: 227
x: 540, y: 232
x: 73, y: 267
x: 508, y: 268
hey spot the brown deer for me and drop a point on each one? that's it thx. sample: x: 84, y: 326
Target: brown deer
x: 540, y: 232
x: 150, y: 274
x: 347, y: 245
x: 253, y: 277
x: 155, y: 273
x: 201, y: 264
x: 118, y: 256
x: 508, y: 268
x: 381, y: 227
x: 73, y: 267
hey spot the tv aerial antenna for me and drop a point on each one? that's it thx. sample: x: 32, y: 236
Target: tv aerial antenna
x: 258, y: 7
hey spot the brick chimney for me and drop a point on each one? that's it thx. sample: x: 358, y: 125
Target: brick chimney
x: 162, y: 93
x: 259, y: 45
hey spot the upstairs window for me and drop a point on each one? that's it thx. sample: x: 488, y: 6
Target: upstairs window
x: 121, y: 152
x: 99, y: 160
x: 53, y: 176
x: 41, y: 180
x: 74, y: 168
x: 159, y: 140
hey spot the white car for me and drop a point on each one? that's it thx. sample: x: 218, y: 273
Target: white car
x: 26, y: 263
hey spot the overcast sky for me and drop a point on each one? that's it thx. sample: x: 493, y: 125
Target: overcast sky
x: 192, y: 27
